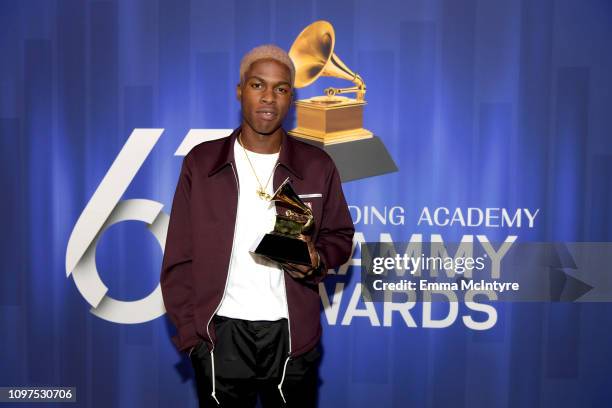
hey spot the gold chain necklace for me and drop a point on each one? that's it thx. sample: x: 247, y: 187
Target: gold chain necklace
x: 261, y: 191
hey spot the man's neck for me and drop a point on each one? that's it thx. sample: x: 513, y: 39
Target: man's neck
x: 258, y: 143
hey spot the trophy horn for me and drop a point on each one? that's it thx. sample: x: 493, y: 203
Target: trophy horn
x: 287, y: 195
x: 313, y: 55
x: 298, y: 210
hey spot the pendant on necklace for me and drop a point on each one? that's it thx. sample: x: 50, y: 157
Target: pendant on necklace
x: 263, y: 195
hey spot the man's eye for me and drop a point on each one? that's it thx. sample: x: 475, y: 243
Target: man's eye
x: 256, y: 85
x: 282, y: 90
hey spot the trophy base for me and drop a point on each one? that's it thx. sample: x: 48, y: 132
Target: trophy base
x: 358, y: 159
x: 331, y: 138
x: 283, y: 249
x: 330, y: 120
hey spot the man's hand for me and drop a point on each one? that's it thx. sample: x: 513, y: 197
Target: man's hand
x: 301, y: 271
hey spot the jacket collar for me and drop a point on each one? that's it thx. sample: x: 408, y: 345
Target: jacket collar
x: 287, y: 158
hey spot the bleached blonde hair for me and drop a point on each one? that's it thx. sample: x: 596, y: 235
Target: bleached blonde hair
x: 267, y: 51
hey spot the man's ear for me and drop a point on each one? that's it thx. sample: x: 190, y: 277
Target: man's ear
x: 238, y: 92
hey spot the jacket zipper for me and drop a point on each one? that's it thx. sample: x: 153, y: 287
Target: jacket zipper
x: 285, y: 286
x: 230, y: 264
x: 280, y: 385
x: 287, y: 306
x: 212, y: 355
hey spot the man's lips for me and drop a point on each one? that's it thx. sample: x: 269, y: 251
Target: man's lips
x: 266, y: 114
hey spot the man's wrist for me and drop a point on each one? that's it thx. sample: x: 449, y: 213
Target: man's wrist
x: 318, y: 263
x: 316, y: 268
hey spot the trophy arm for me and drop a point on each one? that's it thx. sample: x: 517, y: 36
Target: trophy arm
x: 359, y: 89
x: 308, y: 227
x: 287, y: 196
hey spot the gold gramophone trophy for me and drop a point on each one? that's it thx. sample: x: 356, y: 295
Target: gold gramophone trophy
x: 285, y: 244
x: 331, y: 121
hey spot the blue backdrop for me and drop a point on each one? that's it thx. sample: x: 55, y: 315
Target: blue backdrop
x: 480, y: 103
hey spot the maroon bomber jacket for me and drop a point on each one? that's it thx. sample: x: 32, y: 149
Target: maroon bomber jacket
x: 201, y: 232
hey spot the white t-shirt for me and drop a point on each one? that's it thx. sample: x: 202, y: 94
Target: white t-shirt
x: 256, y: 287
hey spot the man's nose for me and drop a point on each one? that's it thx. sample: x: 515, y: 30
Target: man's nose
x: 268, y: 96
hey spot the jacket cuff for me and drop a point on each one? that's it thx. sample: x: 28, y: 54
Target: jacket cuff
x: 186, y: 337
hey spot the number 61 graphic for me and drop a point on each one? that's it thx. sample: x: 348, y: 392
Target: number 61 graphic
x: 105, y: 208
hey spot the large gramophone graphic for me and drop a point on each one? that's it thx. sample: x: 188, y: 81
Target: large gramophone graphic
x: 331, y: 121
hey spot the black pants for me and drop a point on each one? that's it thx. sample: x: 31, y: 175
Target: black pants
x: 249, y: 358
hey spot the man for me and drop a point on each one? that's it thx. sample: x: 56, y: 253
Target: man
x: 251, y: 326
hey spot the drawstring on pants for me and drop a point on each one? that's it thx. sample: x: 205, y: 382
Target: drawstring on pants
x: 280, y: 385
x: 212, y: 365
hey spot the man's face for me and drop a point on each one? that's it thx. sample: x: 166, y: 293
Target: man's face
x: 265, y: 95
